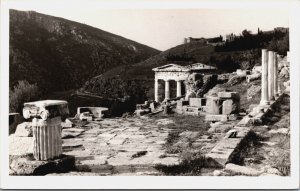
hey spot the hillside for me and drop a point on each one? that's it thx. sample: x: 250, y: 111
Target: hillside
x: 59, y: 54
x: 244, y: 53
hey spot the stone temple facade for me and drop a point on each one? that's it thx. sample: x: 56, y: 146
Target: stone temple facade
x: 179, y: 74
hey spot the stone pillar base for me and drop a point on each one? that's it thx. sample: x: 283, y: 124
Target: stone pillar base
x: 263, y: 103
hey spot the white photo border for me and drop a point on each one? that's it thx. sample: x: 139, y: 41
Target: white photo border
x: 152, y: 182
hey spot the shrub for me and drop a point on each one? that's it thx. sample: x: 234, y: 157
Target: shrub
x: 22, y: 92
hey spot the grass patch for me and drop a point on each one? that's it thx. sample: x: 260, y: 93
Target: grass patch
x: 192, y: 164
x: 248, y: 149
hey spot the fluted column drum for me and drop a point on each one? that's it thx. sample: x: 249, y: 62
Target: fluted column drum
x: 46, y: 118
x: 47, y: 138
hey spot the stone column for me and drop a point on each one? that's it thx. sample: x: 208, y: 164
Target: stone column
x: 156, y: 90
x: 46, y: 126
x: 47, y: 138
x: 167, y: 89
x: 275, y: 75
x: 271, y: 75
x: 264, y: 78
x: 178, y: 88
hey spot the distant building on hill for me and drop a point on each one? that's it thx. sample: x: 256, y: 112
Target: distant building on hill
x: 191, y: 39
x: 212, y: 41
x: 230, y: 37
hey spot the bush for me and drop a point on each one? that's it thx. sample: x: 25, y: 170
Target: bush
x: 21, y: 93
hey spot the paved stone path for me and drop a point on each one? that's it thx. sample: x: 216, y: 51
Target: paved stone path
x: 119, y: 145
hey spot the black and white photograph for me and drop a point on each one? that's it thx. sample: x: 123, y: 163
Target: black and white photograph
x: 98, y: 89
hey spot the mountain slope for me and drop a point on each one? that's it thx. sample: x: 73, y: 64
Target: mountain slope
x: 59, y: 54
x: 244, y: 52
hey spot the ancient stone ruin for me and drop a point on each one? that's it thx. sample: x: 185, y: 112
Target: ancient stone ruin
x: 46, y: 127
x: 223, y: 107
x: 178, y: 73
x: 91, y: 113
x: 111, y: 146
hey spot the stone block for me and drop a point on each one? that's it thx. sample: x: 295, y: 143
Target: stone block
x: 20, y: 145
x: 24, y: 130
x: 240, y: 72
x: 197, y: 102
x: 97, y: 112
x: 230, y: 107
x: 66, y: 125
x: 228, y: 95
x: 222, y: 118
x: 256, y: 69
x: 242, y: 170
x: 212, y: 105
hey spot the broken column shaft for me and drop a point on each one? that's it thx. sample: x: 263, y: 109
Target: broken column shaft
x: 264, y: 78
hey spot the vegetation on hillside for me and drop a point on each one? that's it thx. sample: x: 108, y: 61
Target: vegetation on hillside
x: 233, y: 56
x: 123, y: 94
x: 58, y: 54
x: 248, y: 41
x: 21, y: 93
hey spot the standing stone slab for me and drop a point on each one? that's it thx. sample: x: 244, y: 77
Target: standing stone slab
x: 212, y: 105
x: 230, y: 106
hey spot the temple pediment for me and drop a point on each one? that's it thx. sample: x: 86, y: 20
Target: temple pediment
x: 178, y: 68
x: 171, y: 68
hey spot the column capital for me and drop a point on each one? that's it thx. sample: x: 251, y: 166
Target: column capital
x: 45, y: 109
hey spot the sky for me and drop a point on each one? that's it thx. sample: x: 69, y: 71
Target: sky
x: 166, y: 28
